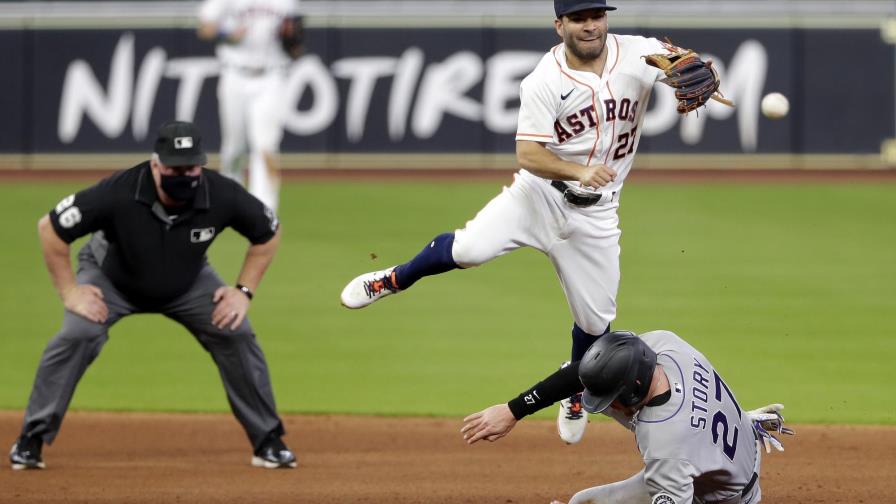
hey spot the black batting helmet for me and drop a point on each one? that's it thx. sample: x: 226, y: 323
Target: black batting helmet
x: 619, y: 365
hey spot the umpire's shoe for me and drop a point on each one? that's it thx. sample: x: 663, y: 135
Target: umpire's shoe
x: 273, y: 454
x: 369, y: 287
x: 25, y: 454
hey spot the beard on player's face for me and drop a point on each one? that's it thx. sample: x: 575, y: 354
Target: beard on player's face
x: 586, y: 50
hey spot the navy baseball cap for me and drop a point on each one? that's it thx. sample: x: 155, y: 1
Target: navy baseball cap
x: 564, y: 7
x: 180, y: 144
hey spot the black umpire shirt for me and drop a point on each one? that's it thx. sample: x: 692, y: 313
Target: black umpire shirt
x: 155, y: 254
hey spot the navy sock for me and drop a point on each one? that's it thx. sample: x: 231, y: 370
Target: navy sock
x: 581, y: 341
x: 435, y: 258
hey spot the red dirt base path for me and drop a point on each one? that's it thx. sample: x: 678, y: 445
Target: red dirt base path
x: 166, y: 458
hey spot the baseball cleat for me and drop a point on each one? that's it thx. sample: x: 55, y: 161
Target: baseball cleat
x: 369, y: 287
x: 274, y: 455
x: 25, y: 454
x: 572, y: 419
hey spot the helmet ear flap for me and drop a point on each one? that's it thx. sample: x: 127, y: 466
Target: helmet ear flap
x: 630, y: 396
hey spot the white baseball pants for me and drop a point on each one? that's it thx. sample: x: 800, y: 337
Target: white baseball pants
x: 582, y: 243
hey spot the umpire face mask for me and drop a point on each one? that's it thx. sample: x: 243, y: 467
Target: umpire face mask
x: 180, y: 187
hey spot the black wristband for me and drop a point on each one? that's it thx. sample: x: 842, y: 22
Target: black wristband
x: 245, y: 290
x: 560, y: 385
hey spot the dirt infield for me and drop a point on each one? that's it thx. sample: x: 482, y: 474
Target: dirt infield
x: 165, y: 458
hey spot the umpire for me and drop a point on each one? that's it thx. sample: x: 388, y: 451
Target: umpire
x: 152, y: 225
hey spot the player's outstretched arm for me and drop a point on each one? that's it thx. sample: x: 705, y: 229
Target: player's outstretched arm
x: 496, y: 422
x: 490, y: 424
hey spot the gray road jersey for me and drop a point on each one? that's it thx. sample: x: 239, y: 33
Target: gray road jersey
x: 699, y: 445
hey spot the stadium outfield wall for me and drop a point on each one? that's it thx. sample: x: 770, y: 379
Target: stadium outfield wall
x: 435, y: 84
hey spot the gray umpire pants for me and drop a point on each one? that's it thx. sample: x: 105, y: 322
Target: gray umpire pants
x: 240, y: 360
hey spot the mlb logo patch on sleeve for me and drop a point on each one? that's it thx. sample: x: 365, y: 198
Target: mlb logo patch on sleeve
x: 202, y: 235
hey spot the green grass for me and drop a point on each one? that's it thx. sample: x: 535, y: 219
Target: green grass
x: 788, y: 289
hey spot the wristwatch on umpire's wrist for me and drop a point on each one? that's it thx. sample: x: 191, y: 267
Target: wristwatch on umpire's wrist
x: 245, y: 290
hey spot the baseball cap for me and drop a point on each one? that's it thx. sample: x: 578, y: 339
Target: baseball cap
x: 564, y: 7
x: 180, y: 144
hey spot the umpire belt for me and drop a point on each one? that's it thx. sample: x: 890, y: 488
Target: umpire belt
x: 583, y: 198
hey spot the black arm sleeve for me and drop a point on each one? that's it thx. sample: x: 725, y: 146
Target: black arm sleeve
x: 559, y: 385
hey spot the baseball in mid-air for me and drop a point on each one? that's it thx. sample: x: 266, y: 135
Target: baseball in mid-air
x: 775, y: 105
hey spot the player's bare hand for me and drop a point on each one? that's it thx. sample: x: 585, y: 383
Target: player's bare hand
x: 597, y: 176
x: 87, y: 301
x: 490, y: 424
x: 231, y: 309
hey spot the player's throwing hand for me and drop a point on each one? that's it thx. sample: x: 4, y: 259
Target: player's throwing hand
x: 597, y: 176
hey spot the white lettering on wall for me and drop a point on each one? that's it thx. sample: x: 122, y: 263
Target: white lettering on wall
x: 83, y: 95
x: 363, y: 74
x: 309, y: 74
x: 504, y: 72
x: 443, y: 90
x: 407, y: 73
x: 148, y: 78
x: 191, y: 73
x: 420, y: 95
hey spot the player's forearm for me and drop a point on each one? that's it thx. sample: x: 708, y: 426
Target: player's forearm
x: 56, y: 256
x: 537, y: 159
x: 258, y: 258
x: 557, y: 386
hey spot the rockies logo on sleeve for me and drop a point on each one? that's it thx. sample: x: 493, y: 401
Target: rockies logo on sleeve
x: 663, y: 498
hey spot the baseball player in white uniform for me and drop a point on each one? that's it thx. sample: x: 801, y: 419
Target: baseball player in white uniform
x: 578, y: 130
x: 250, y: 88
x: 697, y: 444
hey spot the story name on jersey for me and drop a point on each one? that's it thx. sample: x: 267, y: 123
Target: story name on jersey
x: 585, y: 119
x: 700, y: 394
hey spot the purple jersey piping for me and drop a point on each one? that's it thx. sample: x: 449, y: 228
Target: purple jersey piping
x: 684, y: 393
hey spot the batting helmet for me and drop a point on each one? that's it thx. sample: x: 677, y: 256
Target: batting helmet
x: 619, y: 365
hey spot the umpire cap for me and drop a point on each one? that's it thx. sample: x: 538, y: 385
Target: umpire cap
x: 180, y: 144
x: 564, y: 7
x: 619, y: 365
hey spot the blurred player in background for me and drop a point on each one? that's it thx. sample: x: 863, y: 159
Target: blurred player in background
x: 254, y: 51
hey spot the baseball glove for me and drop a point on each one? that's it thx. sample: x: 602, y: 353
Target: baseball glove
x: 695, y: 81
x: 292, y: 36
